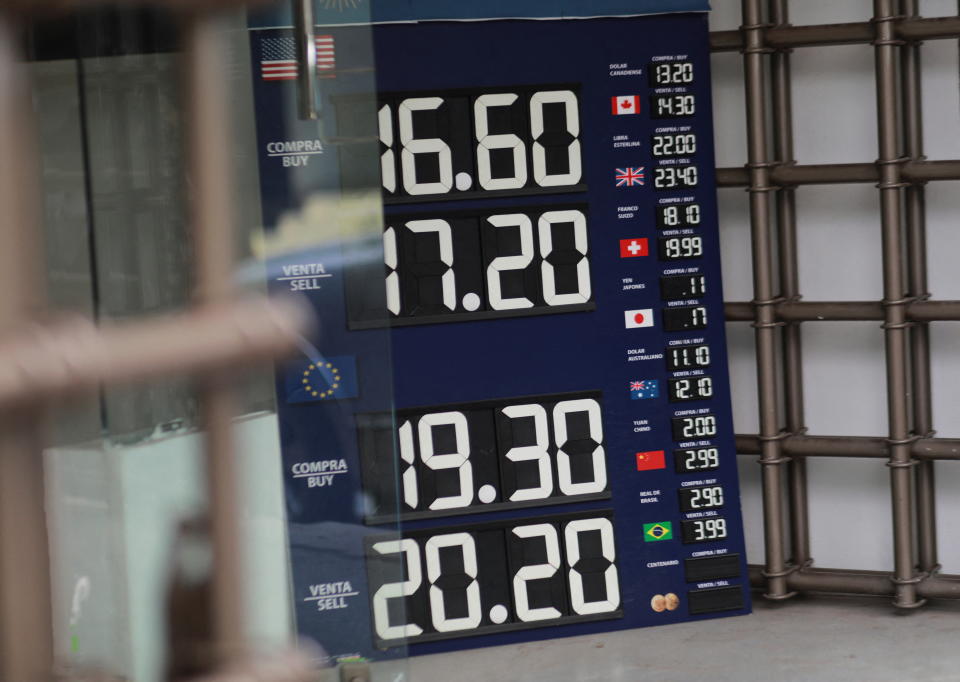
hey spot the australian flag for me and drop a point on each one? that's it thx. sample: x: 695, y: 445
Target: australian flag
x: 645, y: 389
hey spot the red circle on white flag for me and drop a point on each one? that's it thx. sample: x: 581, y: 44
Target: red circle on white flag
x: 639, y: 318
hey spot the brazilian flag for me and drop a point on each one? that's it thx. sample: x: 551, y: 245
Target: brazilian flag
x: 654, y: 532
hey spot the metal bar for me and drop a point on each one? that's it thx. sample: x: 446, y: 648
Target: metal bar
x: 875, y: 583
x: 924, y: 481
x: 789, y: 288
x: 852, y: 446
x: 853, y: 33
x: 306, y: 59
x: 895, y: 300
x: 212, y: 235
x: 913, y: 171
x: 846, y: 311
x: 762, y: 234
x: 26, y: 632
x: 78, y: 356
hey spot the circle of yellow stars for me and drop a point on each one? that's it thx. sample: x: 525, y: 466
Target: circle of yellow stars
x: 313, y: 390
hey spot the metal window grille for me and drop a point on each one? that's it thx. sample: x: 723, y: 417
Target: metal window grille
x: 42, y: 363
x: 900, y: 172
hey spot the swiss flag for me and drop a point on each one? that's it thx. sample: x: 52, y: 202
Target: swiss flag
x: 632, y: 248
x: 638, y: 318
x: 647, y: 461
x: 626, y: 104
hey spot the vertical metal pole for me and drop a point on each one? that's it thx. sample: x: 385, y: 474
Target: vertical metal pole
x: 306, y: 59
x: 925, y: 483
x: 212, y: 235
x: 895, y: 301
x: 26, y: 634
x: 761, y: 229
x: 790, y: 287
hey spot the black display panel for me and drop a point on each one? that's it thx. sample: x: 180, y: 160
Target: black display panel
x: 715, y: 599
x: 688, y: 357
x: 671, y: 145
x: 690, y: 460
x: 678, y: 215
x: 694, y: 427
x: 678, y: 287
x: 675, y: 177
x: 704, y: 530
x: 458, y: 143
x: 683, y: 318
x: 670, y: 73
x: 680, y: 247
x: 477, y: 266
x: 482, y: 457
x: 693, y: 388
x: 700, y: 498
x: 672, y: 106
x: 494, y: 577
x: 700, y: 569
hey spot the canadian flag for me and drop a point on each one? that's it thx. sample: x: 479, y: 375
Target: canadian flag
x: 638, y: 318
x: 626, y: 104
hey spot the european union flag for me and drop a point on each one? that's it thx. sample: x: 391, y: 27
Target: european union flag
x: 644, y: 390
x: 322, y: 378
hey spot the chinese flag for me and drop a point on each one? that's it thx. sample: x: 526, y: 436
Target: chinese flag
x: 650, y: 460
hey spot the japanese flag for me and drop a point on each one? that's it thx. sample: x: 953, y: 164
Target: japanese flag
x: 626, y: 104
x: 638, y: 318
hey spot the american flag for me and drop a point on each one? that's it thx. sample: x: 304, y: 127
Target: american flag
x: 278, y: 58
x: 628, y: 177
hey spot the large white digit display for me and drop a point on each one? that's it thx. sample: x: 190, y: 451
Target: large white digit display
x: 545, y: 227
x: 611, y: 581
x: 445, y: 237
x: 413, y: 146
x: 381, y: 613
x: 537, y: 453
x: 408, y: 479
x: 536, y: 572
x: 487, y: 142
x: 459, y: 460
x: 597, y: 457
x: 391, y: 260
x: 388, y: 168
x: 574, y: 170
x: 438, y: 609
x: 514, y: 221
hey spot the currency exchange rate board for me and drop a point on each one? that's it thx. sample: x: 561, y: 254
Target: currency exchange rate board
x: 560, y: 459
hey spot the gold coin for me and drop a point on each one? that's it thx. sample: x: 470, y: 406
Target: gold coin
x: 672, y: 601
x: 658, y: 603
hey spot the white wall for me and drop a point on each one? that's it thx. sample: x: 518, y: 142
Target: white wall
x: 839, y: 255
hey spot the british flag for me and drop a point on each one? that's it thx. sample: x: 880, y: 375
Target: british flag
x: 628, y: 177
x: 278, y: 58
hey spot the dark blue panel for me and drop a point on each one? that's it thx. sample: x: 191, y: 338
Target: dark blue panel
x: 606, y: 348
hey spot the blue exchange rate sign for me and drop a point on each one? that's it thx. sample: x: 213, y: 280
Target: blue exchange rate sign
x: 546, y: 356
